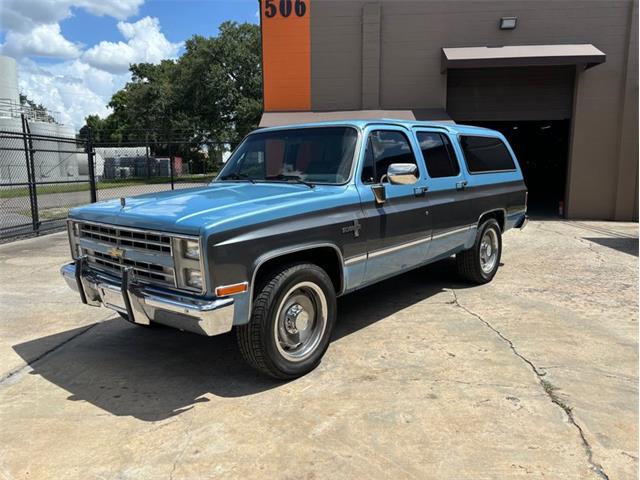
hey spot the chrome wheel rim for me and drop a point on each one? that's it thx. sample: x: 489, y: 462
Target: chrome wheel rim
x: 489, y: 250
x: 301, y: 320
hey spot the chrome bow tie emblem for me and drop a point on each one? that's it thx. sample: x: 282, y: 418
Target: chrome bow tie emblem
x: 116, y: 252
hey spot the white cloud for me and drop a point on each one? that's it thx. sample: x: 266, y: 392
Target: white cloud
x: 83, y: 82
x: 71, y: 90
x: 119, y: 9
x: 24, y: 15
x: 144, y: 43
x: 43, y: 40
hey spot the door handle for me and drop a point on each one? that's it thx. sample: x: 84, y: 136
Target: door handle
x: 461, y: 185
x: 420, y: 191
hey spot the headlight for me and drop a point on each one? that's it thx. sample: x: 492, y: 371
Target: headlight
x: 193, y: 278
x: 191, y: 249
x: 187, y: 262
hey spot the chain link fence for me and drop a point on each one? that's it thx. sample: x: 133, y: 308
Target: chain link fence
x: 43, y: 175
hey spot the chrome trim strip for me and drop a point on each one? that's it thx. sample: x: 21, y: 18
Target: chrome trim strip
x: 384, y: 251
x: 133, y: 229
x: 356, y: 259
x: 453, y: 231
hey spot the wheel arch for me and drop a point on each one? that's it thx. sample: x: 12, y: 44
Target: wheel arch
x: 325, y: 255
x: 499, y: 214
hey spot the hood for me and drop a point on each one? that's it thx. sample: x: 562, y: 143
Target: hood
x: 190, y: 210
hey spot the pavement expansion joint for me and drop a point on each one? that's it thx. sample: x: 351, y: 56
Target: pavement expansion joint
x: 548, y: 388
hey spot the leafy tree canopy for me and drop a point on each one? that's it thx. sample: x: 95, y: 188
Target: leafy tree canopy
x: 211, y: 95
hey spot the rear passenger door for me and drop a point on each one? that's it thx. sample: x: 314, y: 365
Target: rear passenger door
x: 398, y: 231
x: 449, y: 205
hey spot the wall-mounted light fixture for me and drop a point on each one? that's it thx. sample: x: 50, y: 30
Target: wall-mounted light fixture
x: 508, y: 23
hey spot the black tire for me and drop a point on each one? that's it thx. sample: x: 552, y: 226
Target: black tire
x: 469, y: 262
x: 258, y: 338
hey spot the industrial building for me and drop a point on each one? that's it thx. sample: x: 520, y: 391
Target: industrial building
x: 56, y: 159
x: 558, y: 78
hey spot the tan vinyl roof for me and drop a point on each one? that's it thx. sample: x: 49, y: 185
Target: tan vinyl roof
x: 521, y: 56
x: 274, y: 119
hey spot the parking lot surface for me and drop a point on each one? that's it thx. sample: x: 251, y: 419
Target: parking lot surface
x: 534, y: 375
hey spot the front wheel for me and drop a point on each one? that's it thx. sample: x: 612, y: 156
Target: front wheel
x: 480, y: 263
x: 291, y: 324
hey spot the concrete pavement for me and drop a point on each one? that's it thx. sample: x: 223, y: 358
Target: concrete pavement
x: 535, y: 374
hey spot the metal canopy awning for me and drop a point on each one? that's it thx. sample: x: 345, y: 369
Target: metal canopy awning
x: 274, y: 119
x: 521, y: 56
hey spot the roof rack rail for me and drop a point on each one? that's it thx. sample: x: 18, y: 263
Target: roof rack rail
x: 411, y: 123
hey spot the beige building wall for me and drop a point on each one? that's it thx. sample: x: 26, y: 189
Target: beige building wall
x: 387, y: 55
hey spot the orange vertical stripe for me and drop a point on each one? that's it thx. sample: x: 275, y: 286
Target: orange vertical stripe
x: 286, y: 54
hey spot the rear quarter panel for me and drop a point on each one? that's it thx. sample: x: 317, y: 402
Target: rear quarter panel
x: 496, y: 190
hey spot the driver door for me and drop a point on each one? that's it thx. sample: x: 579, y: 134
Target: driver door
x: 398, y: 231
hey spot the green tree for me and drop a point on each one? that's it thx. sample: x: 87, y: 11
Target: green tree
x: 211, y: 95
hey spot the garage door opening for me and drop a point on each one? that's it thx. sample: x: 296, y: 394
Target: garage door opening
x: 542, y: 149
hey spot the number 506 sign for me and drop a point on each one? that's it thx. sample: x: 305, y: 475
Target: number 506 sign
x: 284, y: 8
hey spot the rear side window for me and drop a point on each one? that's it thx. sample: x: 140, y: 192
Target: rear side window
x: 486, y: 154
x: 384, y: 148
x: 438, y: 155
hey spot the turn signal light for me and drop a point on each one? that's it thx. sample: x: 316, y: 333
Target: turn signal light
x: 232, y: 289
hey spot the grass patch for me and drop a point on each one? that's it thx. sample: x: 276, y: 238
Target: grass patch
x: 551, y: 390
x: 58, y: 213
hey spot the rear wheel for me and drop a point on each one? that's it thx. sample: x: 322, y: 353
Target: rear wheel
x: 291, y: 324
x: 480, y: 263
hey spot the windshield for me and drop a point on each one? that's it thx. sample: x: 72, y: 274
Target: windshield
x: 306, y: 155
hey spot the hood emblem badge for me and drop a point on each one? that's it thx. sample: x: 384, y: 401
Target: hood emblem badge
x: 123, y: 202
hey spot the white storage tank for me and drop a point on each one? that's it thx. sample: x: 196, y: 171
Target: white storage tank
x: 8, y: 80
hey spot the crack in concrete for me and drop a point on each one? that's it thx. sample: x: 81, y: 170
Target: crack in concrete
x: 596, y: 467
x: 8, y: 376
x: 182, y: 451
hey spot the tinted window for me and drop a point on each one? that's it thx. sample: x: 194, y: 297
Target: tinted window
x: 322, y: 155
x: 368, y: 170
x: 384, y: 148
x: 486, y: 154
x: 438, y: 155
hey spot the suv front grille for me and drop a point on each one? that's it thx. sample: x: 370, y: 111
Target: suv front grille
x: 133, y: 244
x: 143, y: 270
x: 121, y: 237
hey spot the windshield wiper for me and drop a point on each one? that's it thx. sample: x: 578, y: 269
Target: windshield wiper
x: 295, y: 178
x: 238, y: 176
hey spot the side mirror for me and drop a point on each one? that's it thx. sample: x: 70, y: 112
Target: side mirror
x: 379, y: 193
x: 402, y: 173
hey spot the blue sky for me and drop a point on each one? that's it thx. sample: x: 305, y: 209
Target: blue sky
x: 179, y: 19
x: 73, y: 54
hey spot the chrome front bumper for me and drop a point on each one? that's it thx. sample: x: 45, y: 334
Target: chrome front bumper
x: 144, y: 305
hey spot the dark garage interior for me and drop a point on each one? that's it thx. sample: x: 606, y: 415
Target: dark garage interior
x: 532, y: 108
x: 542, y: 149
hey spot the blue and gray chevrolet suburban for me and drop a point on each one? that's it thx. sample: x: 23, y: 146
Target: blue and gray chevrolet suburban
x: 298, y: 216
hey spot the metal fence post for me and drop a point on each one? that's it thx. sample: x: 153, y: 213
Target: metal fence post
x: 171, y: 158
x: 91, y: 155
x: 31, y: 174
